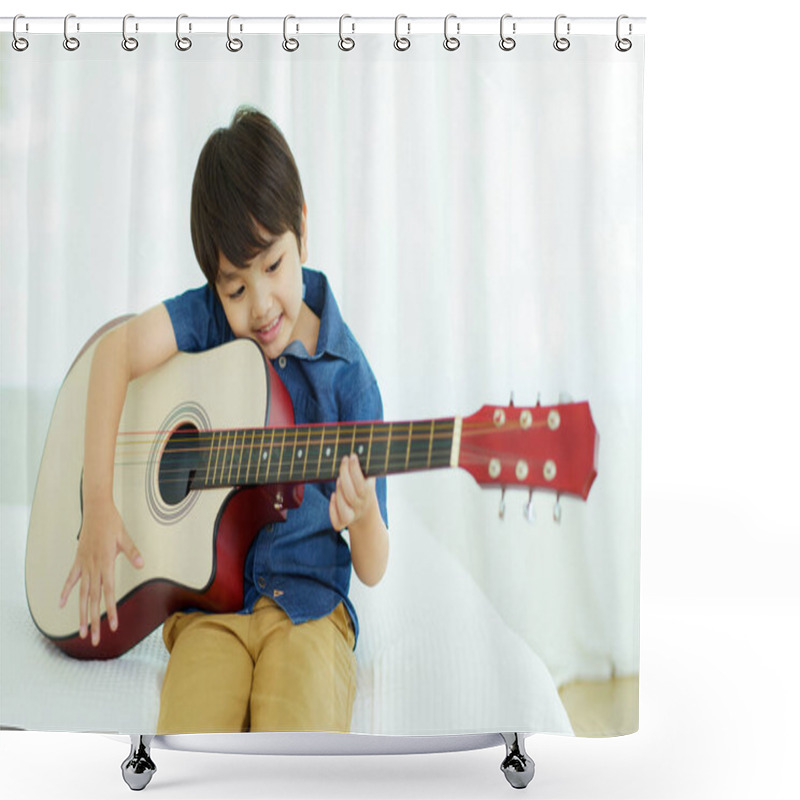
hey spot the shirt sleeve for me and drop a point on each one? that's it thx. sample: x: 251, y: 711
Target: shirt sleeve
x: 198, y: 320
x: 364, y: 403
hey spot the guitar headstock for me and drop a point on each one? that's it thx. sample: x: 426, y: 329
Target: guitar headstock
x: 533, y: 447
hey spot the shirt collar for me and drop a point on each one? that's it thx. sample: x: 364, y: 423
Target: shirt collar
x: 334, y: 336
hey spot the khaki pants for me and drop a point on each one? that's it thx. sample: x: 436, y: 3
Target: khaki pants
x: 258, y: 672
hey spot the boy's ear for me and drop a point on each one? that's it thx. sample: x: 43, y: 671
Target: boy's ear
x: 304, y: 237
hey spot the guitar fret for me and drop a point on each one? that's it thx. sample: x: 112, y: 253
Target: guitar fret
x: 249, y: 455
x: 292, y: 454
x: 388, y: 448
x: 305, y: 455
x: 369, y: 447
x: 261, y: 451
x: 269, y: 457
x: 430, y: 442
x: 408, y: 446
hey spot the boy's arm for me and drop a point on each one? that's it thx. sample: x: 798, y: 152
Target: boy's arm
x: 354, y: 505
x: 126, y: 352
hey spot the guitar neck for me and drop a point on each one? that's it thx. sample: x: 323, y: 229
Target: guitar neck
x: 313, y: 453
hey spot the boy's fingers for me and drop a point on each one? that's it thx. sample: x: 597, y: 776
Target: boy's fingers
x: 69, y: 584
x: 94, y: 610
x: 345, y: 512
x: 129, y: 548
x: 84, y: 606
x: 359, y: 481
x: 111, y: 605
x: 334, y: 514
x: 345, y: 483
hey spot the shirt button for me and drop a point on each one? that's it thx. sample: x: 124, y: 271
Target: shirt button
x: 262, y: 582
x: 282, y: 362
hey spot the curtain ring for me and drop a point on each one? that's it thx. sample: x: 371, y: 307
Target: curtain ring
x: 401, y: 43
x: 346, y: 43
x: 128, y: 42
x: 506, y: 42
x: 70, y: 42
x: 234, y: 45
x: 561, y: 43
x: 451, y: 42
x: 623, y: 45
x: 183, y: 43
x: 18, y: 43
x: 290, y: 45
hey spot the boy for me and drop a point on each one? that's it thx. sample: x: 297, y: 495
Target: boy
x: 285, y: 661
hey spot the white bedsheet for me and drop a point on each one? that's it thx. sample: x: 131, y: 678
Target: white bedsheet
x: 434, y: 657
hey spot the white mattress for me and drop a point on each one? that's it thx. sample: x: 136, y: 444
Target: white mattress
x: 434, y: 657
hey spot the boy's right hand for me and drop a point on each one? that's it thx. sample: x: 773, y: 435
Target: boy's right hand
x: 102, y: 538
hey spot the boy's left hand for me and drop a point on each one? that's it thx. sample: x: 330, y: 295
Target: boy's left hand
x: 353, y: 496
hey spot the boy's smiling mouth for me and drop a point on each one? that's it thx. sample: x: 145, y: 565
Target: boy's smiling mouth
x: 268, y: 333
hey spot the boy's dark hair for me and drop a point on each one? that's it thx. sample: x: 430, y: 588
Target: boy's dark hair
x: 245, y: 174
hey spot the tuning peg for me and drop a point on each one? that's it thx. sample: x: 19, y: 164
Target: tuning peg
x: 557, y: 510
x: 511, y: 401
x: 502, y: 509
x: 528, y: 509
x: 538, y: 399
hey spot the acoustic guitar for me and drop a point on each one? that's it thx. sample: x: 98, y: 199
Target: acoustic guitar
x: 208, y: 453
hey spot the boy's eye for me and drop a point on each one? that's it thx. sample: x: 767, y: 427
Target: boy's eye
x: 275, y: 265
x: 238, y: 293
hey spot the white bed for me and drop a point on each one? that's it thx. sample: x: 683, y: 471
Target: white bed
x: 434, y: 659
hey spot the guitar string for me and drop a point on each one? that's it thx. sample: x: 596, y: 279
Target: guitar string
x: 223, y: 444
x: 396, y: 462
x: 318, y: 432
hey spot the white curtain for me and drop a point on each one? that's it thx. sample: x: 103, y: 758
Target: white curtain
x: 478, y: 214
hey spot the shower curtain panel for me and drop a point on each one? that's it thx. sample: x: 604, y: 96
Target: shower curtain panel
x: 473, y: 215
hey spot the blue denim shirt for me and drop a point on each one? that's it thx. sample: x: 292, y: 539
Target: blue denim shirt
x: 303, y: 564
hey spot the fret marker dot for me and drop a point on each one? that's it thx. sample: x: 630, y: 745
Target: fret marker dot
x: 327, y: 451
x: 361, y: 449
x: 299, y: 453
x: 264, y: 456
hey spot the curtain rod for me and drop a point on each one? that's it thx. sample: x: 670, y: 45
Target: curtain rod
x: 463, y: 26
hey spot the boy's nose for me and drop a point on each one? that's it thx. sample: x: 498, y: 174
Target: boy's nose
x: 261, y: 305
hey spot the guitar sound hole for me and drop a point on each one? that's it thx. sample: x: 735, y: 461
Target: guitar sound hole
x: 179, y: 464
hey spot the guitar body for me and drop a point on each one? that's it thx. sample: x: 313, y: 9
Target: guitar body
x: 207, y: 453
x: 194, y: 543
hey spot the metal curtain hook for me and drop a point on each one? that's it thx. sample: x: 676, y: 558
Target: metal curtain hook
x: 401, y: 43
x: 451, y: 42
x: 18, y: 43
x: 345, y: 43
x: 623, y: 45
x: 182, y: 42
x: 561, y: 43
x: 507, y: 42
x: 70, y: 42
x: 290, y: 45
x: 234, y: 45
x: 128, y: 42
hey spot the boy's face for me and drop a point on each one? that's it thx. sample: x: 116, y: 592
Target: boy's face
x: 264, y: 301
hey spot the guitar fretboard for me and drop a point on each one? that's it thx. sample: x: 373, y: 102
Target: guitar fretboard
x: 313, y: 453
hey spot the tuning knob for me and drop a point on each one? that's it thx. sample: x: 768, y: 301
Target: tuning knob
x: 501, y: 512
x: 528, y: 509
